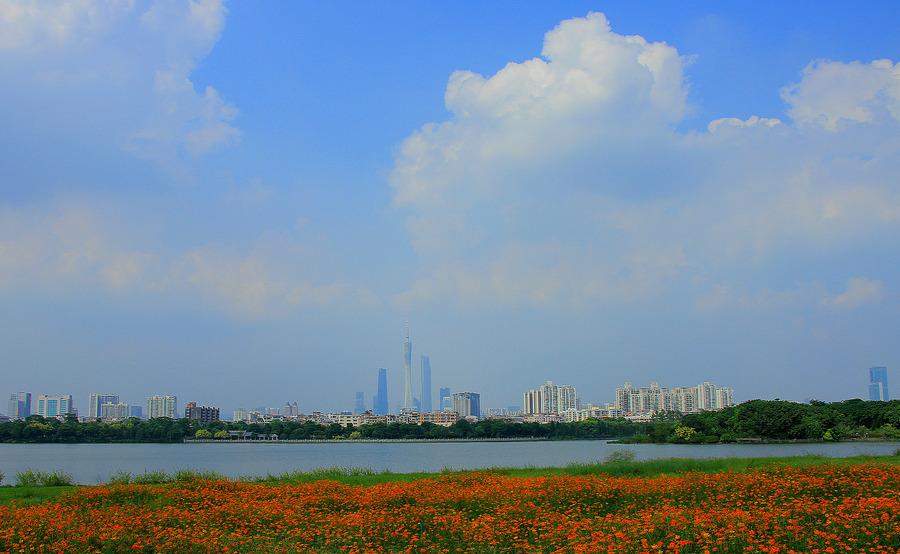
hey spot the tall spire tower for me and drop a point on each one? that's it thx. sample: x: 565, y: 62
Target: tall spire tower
x: 407, y: 372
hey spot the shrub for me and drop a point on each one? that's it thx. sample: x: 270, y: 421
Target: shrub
x: 27, y: 478
x: 620, y: 457
x: 120, y: 478
x: 151, y: 478
x: 34, y: 478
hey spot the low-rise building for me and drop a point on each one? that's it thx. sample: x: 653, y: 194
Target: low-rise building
x: 445, y: 419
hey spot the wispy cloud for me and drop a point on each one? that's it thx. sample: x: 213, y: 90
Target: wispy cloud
x: 860, y: 291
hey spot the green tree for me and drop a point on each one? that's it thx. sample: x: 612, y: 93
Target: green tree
x: 684, y: 433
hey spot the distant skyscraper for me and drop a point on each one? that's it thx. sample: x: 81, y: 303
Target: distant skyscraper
x: 19, y: 406
x: 380, y: 402
x: 136, y: 411
x: 407, y: 373
x: 162, y: 406
x: 878, y: 386
x: 467, y: 404
x: 360, y: 406
x: 445, y: 400
x: 426, y: 384
x: 96, y: 400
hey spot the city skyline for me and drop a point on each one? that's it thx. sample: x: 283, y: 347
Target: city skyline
x: 200, y: 194
x: 548, y: 399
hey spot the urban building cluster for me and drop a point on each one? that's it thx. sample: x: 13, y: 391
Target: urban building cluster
x: 412, y: 409
x: 646, y: 401
x: 104, y: 407
x: 547, y: 403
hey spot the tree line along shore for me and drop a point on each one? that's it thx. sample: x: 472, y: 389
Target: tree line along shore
x: 756, y: 420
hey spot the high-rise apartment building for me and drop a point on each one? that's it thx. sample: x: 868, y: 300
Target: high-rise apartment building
x: 686, y: 400
x: 203, y: 414
x: 114, y: 411
x: 19, y: 406
x: 96, y: 400
x: 549, y: 399
x: 446, y: 401
x: 407, y: 373
x: 55, y: 406
x: 878, y: 384
x: 162, y: 406
x: 425, y: 400
x: 136, y: 411
x: 380, y: 400
x: 360, y: 404
x: 467, y: 404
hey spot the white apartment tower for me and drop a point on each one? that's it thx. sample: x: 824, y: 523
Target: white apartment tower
x: 115, y: 411
x: 686, y: 400
x: 549, y: 399
x: 162, y: 406
x: 97, y: 400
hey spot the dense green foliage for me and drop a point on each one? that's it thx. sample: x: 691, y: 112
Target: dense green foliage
x: 781, y: 420
x: 38, y: 429
x: 757, y: 419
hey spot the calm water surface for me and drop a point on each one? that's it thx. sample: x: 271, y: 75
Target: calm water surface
x: 94, y: 463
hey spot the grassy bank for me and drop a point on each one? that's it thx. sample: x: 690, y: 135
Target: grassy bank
x: 630, y: 468
x: 616, y: 465
x: 30, y: 495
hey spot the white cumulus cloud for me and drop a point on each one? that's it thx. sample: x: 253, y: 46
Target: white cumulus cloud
x: 834, y: 92
x: 562, y: 181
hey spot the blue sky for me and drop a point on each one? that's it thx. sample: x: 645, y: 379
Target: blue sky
x: 242, y: 203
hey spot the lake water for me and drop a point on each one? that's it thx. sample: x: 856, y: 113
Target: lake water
x: 94, y: 463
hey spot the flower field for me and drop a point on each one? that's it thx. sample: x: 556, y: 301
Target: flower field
x: 820, y: 508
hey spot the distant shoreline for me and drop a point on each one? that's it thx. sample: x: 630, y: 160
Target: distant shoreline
x: 608, y: 440
x: 357, y: 441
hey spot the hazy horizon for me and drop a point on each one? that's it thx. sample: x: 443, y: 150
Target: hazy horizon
x: 242, y: 204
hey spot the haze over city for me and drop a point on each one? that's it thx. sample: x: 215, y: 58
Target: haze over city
x: 243, y: 204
